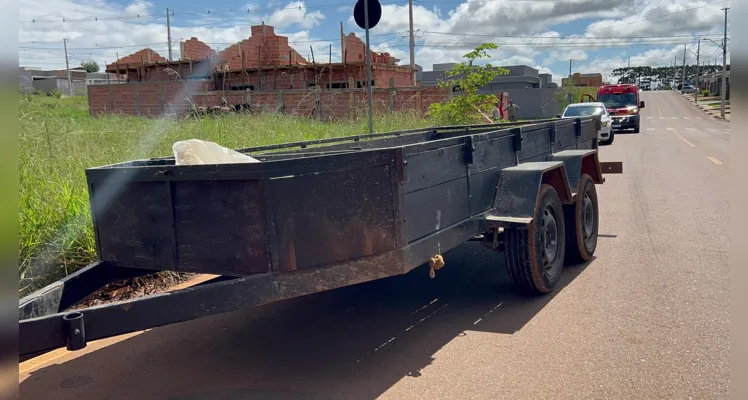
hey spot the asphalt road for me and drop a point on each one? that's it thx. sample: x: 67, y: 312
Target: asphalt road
x: 647, y: 319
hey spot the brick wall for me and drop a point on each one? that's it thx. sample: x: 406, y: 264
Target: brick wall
x: 355, y: 49
x: 308, y: 77
x: 144, y: 55
x: 194, y: 49
x: 262, y: 48
x: 157, y: 98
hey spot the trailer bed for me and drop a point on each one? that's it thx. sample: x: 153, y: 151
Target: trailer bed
x: 309, y: 217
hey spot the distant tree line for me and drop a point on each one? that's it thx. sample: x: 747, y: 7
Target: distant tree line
x: 661, y: 75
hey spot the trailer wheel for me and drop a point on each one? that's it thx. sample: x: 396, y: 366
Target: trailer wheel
x: 535, y: 255
x: 582, y: 221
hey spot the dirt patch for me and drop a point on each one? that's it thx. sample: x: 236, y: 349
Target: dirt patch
x: 128, y: 289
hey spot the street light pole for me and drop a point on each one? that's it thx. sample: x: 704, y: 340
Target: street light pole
x: 724, y: 67
x: 683, y: 74
x: 698, y: 51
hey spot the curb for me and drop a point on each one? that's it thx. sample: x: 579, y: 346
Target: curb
x: 702, y: 109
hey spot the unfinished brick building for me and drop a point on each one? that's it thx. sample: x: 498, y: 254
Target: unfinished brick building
x: 264, y: 63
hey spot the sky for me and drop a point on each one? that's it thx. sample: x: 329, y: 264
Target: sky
x: 596, y: 35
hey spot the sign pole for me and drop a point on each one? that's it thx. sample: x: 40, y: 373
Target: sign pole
x: 368, y: 66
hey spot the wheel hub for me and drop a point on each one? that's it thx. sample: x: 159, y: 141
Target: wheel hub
x: 549, y: 235
x: 588, y: 221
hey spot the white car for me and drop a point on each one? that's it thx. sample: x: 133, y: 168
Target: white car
x: 576, y: 110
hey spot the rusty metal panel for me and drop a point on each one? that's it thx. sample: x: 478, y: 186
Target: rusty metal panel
x: 492, y: 152
x: 421, y: 250
x: 434, y: 167
x: 536, y: 142
x: 130, y: 217
x: 483, y: 188
x: 436, y: 208
x: 334, y: 216
x: 220, y: 227
x: 565, y: 137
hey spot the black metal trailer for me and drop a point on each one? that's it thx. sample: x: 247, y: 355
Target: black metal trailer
x: 324, y: 214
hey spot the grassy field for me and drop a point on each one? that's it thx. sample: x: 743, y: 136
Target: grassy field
x: 58, y: 141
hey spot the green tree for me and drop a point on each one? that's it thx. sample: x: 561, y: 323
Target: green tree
x: 467, y: 106
x: 90, y: 66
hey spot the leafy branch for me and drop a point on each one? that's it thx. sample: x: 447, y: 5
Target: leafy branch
x: 465, y: 79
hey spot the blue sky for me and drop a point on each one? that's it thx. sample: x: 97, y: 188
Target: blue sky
x: 598, y: 35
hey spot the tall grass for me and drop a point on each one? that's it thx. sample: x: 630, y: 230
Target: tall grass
x: 58, y: 141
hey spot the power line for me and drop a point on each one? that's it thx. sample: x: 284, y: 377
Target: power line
x: 92, y: 19
x: 557, y: 45
x: 677, y: 12
x: 93, y: 48
x: 207, y: 12
x: 571, y: 36
x: 296, y: 8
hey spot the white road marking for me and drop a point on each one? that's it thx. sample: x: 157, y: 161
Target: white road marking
x: 670, y: 129
x: 699, y: 118
x: 650, y: 129
x: 712, y: 130
x: 662, y: 117
x: 714, y: 160
x: 692, y: 129
x: 686, y: 118
x: 673, y: 117
x: 684, y: 139
x: 658, y: 110
x: 649, y: 117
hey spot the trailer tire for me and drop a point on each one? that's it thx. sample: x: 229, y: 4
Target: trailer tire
x: 582, y: 222
x: 527, y: 249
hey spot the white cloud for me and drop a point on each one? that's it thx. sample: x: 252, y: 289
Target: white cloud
x: 682, y: 18
x: 295, y: 13
x: 139, y: 7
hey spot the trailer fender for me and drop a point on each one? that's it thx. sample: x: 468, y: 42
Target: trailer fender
x: 518, y: 189
x: 577, y: 163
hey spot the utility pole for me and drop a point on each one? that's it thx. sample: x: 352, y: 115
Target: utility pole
x: 168, y: 31
x: 675, y: 67
x: 368, y: 66
x: 67, y: 67
x: 683, y: 74
x: 570, y: 83
x: 629, y: 66
x: 724, y: 67
x: 698, y: 52
x: 412, y: 43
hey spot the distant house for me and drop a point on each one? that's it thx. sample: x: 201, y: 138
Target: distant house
x: 32, y: 79
x: 519, y: 77
x: 583, y: 80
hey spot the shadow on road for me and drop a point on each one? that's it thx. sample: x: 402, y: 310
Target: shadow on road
x: 354, y: 342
